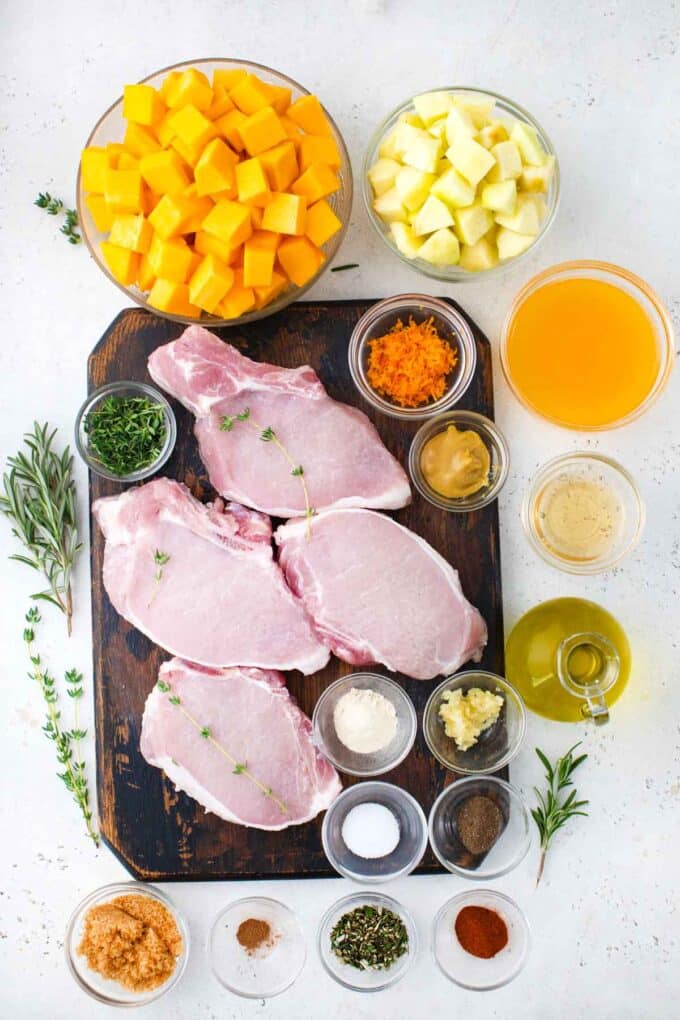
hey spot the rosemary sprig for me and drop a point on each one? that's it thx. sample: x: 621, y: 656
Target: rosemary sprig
x: 66, y: 741
x: 160, y: 559
x: 551, y: 813
x: 238, y: 768
x: 52, y: 207
x: 268, y: 435
x: 39, y: 498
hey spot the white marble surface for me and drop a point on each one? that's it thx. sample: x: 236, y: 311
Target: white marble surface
x: 601, y: 78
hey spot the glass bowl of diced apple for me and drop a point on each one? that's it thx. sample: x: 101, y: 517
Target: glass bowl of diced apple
x: 214, y: 190
x: 460, y: 183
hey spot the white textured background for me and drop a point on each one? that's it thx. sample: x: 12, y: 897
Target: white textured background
x: 603, y: 79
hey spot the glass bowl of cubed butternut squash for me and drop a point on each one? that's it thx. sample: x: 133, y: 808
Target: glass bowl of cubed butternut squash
x: 215, y: 191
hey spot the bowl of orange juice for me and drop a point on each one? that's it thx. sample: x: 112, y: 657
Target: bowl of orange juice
x: 587, y: 345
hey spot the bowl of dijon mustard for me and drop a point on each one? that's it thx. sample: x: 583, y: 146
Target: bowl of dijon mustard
x: 459, y: 461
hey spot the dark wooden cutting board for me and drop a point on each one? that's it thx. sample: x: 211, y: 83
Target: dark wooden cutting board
x: 160, y: 834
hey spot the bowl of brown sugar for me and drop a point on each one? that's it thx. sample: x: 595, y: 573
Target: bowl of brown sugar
x: 126, y: 944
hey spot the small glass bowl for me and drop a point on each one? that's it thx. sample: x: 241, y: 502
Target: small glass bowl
x: 412, y: 833
x: 353, y: 977
x: 351, y: 762
x: 512, y: 844
x: 470, y: 971
x: 496, y: 746
x: 100, y: 988
x: 493, y: 439
x: 506, y: 109
x: 111, y: 127
x: 615, y: 276
x: 262, y: 974
x: 449, y: 323
x: 125, y: 389
x: 591, y: 467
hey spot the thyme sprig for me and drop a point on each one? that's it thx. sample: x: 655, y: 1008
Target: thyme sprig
x: 268, y: 435
x: 348, y: 265
x: 67, y: 741
x: 126, y: 433
x: 551, y: 813
x: 160, y: 559
x: 52, y: 207
x: 39, y: 498
x: 238, y: 768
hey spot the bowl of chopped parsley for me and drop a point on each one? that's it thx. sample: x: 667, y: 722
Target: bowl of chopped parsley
x: 367, y: 941
x: 125, y: 431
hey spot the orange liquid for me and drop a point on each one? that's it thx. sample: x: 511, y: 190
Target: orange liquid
x: 582, y: 352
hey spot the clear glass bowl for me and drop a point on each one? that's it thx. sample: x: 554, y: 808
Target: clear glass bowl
x: 125, y: 389
x: 353, y: 977
x: 351, y: 762
x: 470, y: 971
x: 264, y: 973
x: 100, y: 988
x: 412, y: 833
x: 111, y: 127
x: 505, y: 109
x: 595, y: 468
x: 512, y: 844
x: 636, y: 288
x: 493, y: 439
x: 448, y: 322
x: 496, y: 746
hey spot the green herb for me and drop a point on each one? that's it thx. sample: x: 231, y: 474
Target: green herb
x: 160, y: 559
x: 268, y: 435
x: 52, y: 207
x: 69, y: 227
x: 348, y: 265
x: 552, y: 814
x: 126, y: 434
x: 238, y: 768
x: 39, y: 498
x: 67, y: 742
x: 227, y: 423
x: 369, y: 938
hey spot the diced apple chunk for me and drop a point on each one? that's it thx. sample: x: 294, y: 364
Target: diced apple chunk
x: 479, y: 108
x: 527, y: 216
x: 433, y: 215
x: 500, y: 197
x: 508, y: 162
x: 479, y: 256
x: 538, y: 178
x: 528, y: 143
x: 432, y: 105
x: 405, y: 239
x: 406, y: 136
x: 470, y: 159
x: 438, y: 128
x: 441, y: 248
x: 410, y: 117
x: 413, y: 186
x: 453, y: 189
x: 382, y: 174
x: 390, y: 207
x: 472, y: 222
x: 424, y: 153
x: 492, y: 133
x: 510, y: 243
x: 388, y: 147
x: 458, y: 122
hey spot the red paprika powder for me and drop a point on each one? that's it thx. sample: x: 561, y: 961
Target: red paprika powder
x: 481, y: 932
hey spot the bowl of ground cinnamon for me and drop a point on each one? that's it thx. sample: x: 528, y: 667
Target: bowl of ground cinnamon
x: 126, y: 944
x: 481, y: 939
x: 412, y: 356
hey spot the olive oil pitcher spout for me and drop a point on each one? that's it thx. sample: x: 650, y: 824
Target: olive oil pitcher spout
x: 588, y: 667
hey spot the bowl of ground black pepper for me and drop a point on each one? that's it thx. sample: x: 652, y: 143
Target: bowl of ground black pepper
x: 481, y: 939
x: 256, y: 947
x: 125, y: 431
x: 480, y: 827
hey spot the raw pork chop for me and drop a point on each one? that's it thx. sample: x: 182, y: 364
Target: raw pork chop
x: 220, y: 599
x: 256, y: 723
x: 379, y: 593
x: 344, y: 460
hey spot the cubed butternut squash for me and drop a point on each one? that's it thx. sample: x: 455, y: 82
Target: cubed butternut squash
x: 295, y: 133
x: 210, y: 282
x: 142, y: 104
x: 261, y: 131
x: 249, y: 95
x: 285, y: 214
x: 131, y: 230
x: 94, y: 162
x: 256, y: 215
x: 321, y: 223
x: 299, y: 259
x: 251, y: 182
x: 169, y: 86
x: 171, y: 259
x: 114, y: 150
x: 179, y: 214
x: 258, y: 263
x: 123, y: 190
x: 280, y: 165
x: 164, y: 131
x: 189, y: 153
x: 308, y: 113
x: 316, y: 182
x: 145, y: 274
x: 172, y: 297
x: 192, y: 88
x: 229, y: 126
x: 230, y: 221
x: 318, y: 149
x: 265, y: 295
x: 139, y: 140
x: 192, y: 126
x: 122, y: 262
x: 100, y: 212
x: 228, y: 77
x: 220, y: 105
x: 164, y: 172
x: 208, y: 244
x: 214, y: 171
x: 126, y: 161
x: 238, y: 299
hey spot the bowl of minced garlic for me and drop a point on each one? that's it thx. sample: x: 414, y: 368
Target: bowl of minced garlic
x: 126, y: 944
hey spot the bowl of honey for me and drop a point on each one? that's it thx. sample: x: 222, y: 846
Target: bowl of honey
x: 587, y: 345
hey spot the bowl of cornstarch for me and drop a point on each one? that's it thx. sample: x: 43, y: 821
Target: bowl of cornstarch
x: 365, y: 724
x: 374, y: 832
